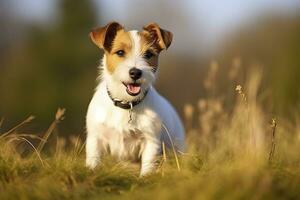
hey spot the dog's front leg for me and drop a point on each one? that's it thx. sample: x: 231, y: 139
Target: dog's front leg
x: 92, y: 151
x: 149, y: 156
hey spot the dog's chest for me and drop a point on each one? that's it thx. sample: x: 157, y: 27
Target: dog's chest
x: 141, y: 120
x: 127, y: 131
x: 122, y: 120
x: 123, y: 145
x: 133, y: 145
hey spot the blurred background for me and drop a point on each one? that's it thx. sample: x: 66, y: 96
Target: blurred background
x: 48, y: 61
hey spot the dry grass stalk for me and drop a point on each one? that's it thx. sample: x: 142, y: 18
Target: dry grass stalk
x: 273, y: 144
x: 29, y: 119
x: 1, y: 121
x: 78, y: 146
x: 58, y: 117
x: 33, y: 147
x: 239, y: 89
x: 16, y: 137
x: 173, y: 148
x: 163, y: 160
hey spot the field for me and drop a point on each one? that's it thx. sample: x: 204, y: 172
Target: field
x: 241, y: 152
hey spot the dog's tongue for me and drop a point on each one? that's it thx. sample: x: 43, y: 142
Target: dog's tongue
x: 134, y: 89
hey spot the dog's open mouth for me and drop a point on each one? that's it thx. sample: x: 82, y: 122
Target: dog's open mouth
x: 133, y: 89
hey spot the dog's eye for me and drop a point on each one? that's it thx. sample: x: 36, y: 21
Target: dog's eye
x: 148, y: 54
x: 120, y: 53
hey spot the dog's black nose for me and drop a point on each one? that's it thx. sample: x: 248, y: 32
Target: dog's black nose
x: 135, y: 73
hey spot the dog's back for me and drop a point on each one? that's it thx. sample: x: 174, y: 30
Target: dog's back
x: 171, y: 125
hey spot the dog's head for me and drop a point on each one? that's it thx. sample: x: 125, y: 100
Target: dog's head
x: 130, y: 57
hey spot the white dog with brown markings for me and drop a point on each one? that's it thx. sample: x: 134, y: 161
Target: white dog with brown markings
x: 127, y: 117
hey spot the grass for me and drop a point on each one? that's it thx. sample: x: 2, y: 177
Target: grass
x: 237, y: 153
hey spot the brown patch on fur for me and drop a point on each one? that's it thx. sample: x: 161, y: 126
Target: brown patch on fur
x: 122, y: 41
x: 113, y: 38
x: 154, y: 39
x: 104, y: 36
x: 148, y: 44
x: 162, y: 37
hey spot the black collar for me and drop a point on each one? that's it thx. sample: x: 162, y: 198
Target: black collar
x: 124, y: 104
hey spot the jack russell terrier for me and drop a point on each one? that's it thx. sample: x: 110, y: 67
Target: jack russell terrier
x: 127, y: 117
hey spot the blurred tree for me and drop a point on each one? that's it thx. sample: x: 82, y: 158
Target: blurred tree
x: 53, y: 69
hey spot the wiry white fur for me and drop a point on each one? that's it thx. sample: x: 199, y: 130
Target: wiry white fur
x: 108, y: 126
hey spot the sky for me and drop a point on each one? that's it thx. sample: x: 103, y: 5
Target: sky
x: 208, y: 19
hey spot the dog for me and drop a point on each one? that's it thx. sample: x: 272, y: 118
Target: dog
x: 127, y: 117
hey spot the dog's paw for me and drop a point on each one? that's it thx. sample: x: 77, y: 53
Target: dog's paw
x: 144, y: 174
x: 91, y: 163
x: 147, y: 172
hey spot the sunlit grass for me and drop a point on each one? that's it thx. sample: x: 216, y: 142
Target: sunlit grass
x: 237, y: 153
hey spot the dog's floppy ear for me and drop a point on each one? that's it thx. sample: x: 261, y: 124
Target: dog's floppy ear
x: 104, y: 36
x: 161, y: 36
